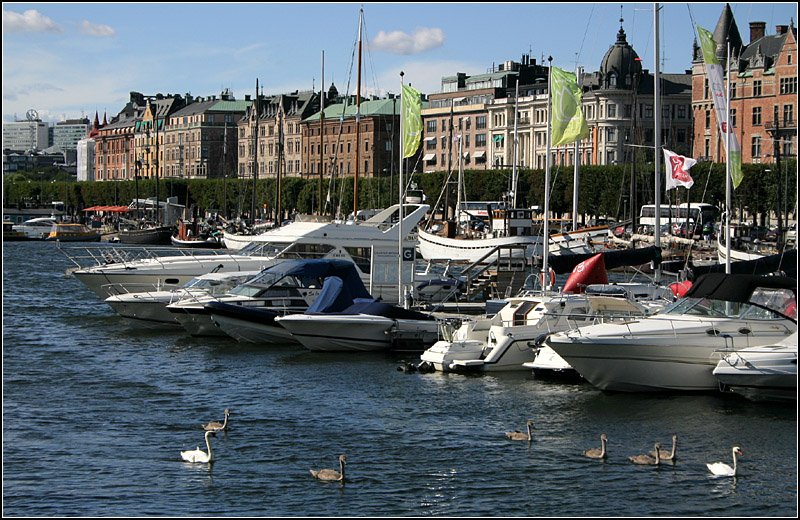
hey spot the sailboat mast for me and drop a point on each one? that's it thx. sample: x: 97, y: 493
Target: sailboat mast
x: 255, y: 157
x: 358, y: 118
x: 278, y: 207
x: 514, y: 180
x: 576, y: 173
x: 657, y: 147
x: 321, y: 135
x: 546, y: 230
x: 158, y: 204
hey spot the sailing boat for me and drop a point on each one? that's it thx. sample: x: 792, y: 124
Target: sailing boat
x: 153, y: 232
x: 510, y: 229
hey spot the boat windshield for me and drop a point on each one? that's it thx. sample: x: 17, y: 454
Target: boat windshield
x: 258, y: 248
x: 764, y: 304
x: 215, y: 286
x: 267, y: 281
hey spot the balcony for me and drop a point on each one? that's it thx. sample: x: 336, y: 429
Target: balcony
x: 783, y: 124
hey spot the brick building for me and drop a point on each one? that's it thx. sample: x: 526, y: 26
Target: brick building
x: 763, y: 82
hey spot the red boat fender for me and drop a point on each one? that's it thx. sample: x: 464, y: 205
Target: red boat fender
x: 590, y: 271
x: 679, y: 288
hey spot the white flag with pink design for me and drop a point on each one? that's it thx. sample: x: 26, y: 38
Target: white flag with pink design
x: 678, y: 170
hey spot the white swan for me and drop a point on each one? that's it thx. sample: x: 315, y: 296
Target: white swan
x: 647, y: 459
x: 215, y: 426
x: 722, y: 469
x: 199, y: 455
x: 668, y: 455
x: 595, y: 453
x: 330, y: 474
x: 519, y: 436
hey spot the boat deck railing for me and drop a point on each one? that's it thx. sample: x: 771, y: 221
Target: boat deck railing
x: 102, y: 254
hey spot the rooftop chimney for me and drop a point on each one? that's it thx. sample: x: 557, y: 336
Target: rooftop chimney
x: 781, y: 29
x: 757, y: 30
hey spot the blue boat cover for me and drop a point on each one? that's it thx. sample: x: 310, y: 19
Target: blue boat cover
x: 374, y: 307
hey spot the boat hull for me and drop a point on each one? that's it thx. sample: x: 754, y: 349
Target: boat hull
x: 153, y: 236
x: 761, y: 373
x: 675, y: 355
x: 343, y: 333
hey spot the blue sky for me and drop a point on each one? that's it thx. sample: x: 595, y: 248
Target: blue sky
x: 70, y: 59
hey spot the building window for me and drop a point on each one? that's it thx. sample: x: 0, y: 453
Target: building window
x: 705, y: 88
x: 788, y: 114
x: 431, y: 126
x: 612, y: 110
x: 756, y: 116
x: 733, y: 90
x: 788, y: 85
x: 733, y: 117
x: 480, y: 140
x: 708, y: 119
x: 681, y: 111
x: 707, y: 148
x: 756, y: 146
x: 480, y: 123
x: 756, y: 88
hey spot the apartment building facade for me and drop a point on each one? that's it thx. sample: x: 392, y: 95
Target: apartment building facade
x: 763, y: 93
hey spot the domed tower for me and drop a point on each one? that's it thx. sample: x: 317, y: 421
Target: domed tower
x: 620, y: 64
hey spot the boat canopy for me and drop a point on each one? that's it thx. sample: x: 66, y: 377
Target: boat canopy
x: 563, y: 264
x: 737, y: 287
x: 785, y: 262
x: 374, y: 307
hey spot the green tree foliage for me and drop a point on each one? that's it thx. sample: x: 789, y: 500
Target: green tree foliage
x: 603, y: 190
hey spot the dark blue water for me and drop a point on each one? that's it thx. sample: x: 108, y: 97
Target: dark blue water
x: 95, y: 414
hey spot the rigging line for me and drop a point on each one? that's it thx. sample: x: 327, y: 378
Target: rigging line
x: 580, y: 49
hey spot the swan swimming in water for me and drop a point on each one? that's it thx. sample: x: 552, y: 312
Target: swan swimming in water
x: 595, y: 453
x: 722, y: 469
x: 519, y: 436
x: 647, y: 459
x: 199, y: 455
x: 215, y: 426
x: 330, y: 474
x: 668, y: 455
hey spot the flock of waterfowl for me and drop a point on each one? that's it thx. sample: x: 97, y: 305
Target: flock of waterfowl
x: 211, y: 429
x: 654, y: 458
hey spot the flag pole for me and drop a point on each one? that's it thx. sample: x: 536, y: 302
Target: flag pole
x: 657, y: 148
x: 728, y: 180
x: 400, y: 295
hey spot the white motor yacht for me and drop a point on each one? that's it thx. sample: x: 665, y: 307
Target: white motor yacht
x: 511, y: 338
x: 761, y: 373
x: 678, y: 348
x: 36, y: 228
x: 248, y: 313
x: 372, y: 245
x: 367, y: 325
x: 505, y: 341
x: 150, y: 307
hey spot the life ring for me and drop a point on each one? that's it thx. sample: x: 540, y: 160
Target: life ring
x: 552, y: 277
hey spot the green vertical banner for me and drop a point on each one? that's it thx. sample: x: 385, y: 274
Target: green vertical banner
x: 718, y: 93
x: 411, y: 110
x: 568, y: 123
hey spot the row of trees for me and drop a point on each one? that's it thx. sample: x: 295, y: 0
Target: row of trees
x: 604, y: 191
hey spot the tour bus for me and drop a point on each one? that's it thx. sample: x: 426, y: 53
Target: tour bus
x: 699, y: 214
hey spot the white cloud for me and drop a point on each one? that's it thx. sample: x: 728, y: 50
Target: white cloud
x: 29, y: 21
x: 91, y: 29
x: 398, y: 42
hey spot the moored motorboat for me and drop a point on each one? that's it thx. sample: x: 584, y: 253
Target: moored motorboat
x: 149, y: 307
x: 69, y: 232
x: 678, y: 348
x: 766, y: 373
x: 366, y: 325
x: 248, y: 313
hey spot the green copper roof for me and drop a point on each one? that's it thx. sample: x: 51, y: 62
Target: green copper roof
x: 377, y: 107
